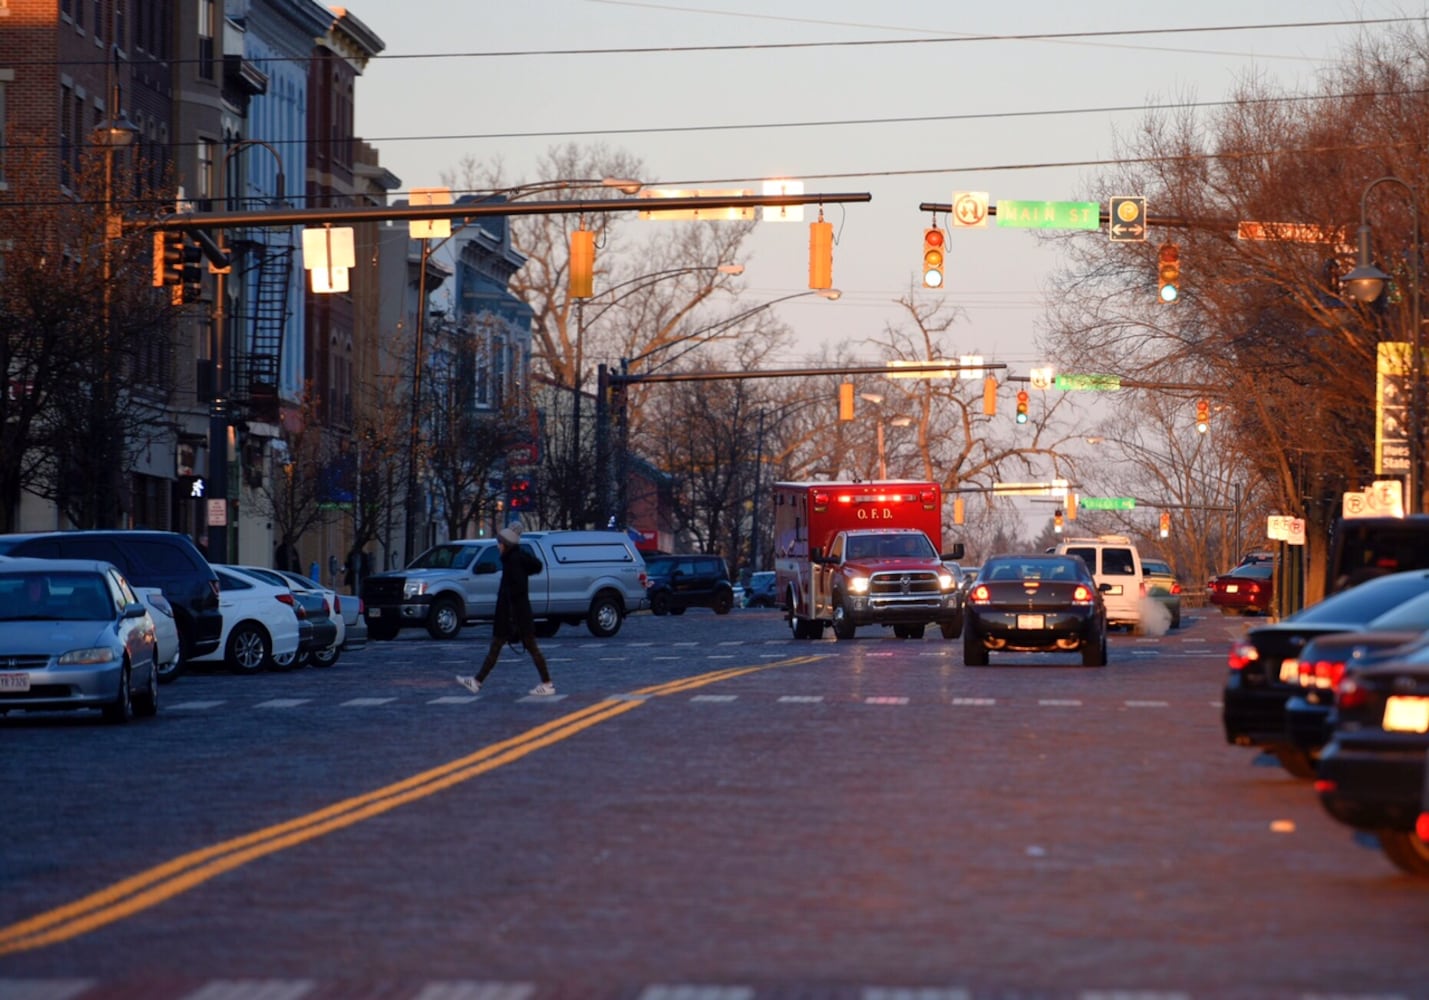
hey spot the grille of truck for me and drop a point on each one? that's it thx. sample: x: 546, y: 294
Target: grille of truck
x: 904, y: 588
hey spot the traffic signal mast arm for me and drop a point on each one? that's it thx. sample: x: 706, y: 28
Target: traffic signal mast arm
x: 1169, y: 221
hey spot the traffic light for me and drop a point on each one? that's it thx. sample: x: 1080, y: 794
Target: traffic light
x: 190, y: 272
x: 1022, y: 406
x: 582, y: 277
x: 1165, y: 524
x: 989, y: 396
x: 520, y: 494
x: 1071, y: 506
x: 846, y: 401
x: 934, y: 257
x: 1057, y: 521
x: 959, y: 510
x: 821, y: 253
x: 1168, y: 272
x: 168, y: 263
x: 1203, y: 416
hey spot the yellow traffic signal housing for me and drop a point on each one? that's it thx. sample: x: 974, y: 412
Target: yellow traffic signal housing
x: 1057, y: 522
x: 1168, y: 272
x: 1022, y: 406
x: 934, y: 257
x: 821, y: 254
x: 582, y: 276
x: 989, y: 397
x: 1071, y: 506
x: 168, y: 257
x: 1165, y: 524
x: 959, y: 510
x: 190, y: 273
x: 1203, y: 416
x: 846, y: 401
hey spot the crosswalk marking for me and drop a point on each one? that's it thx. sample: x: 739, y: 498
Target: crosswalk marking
x: 191, y: 706
x: 803, y: 699
x: 714, y: 697
x: 475, y: 991
x: 884, y: 700
x: 366, y: 702
x: 283, y: 702
x: 253, y: 989
x: 1147, y: 704
x: 44, y: 989
x: 974, y: 701
x: 1059, y: 702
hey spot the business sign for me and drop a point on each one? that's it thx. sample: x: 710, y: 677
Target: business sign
x: 1049, y: 214
x: 1391, y: 426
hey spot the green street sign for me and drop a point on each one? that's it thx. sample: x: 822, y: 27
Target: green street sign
x: 1094, y: 382
x: 1049, y: 214
x: 1107, y: 503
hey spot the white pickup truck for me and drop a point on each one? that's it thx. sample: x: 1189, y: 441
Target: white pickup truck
x: 595, y: 577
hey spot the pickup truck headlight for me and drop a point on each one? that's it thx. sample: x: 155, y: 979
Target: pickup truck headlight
x: 858, y: 584
x: 414, y: 588
x: 945, y: 580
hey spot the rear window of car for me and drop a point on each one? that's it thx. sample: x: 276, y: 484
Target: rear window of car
x: 1255, y: 571
x: 1368, y: 600
x: 152, y: 557
x: 1155, y: 568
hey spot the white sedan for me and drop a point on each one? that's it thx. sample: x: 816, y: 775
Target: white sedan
x: 258, y: 622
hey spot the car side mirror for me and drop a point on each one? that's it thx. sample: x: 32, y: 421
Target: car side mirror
x: 135, y: 610
x: 816, y: 555
x: 955, y: 554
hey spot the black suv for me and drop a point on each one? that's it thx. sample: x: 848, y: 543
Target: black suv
x: 680, y: 582
x: 168, y: 560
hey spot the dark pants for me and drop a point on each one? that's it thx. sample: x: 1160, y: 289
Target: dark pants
x: 493, y: 653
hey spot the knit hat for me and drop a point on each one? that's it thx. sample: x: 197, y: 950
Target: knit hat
x: 511, y: 534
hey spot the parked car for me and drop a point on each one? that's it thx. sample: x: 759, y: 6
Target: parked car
x: 760, y: 592
x: 1035, y: 603
x: 1163, y: 587
x: 168, y: 560
x: 73, y: 635
x: 1371, y: 773
x: 1264, y: 670
x: 1115, y: 564
x: 676, y: 583
x: 166, y: 629
x: 321, y: 644
x: 1247, y: 589
x: 259, y: 619
x: 1323, y: 660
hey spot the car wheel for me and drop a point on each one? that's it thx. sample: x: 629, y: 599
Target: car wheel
x: 546, y: 628
x: 248, y: 649
x: 1176, y: 620
x: 287, y: 661
x: 913, y: 631
x: 660, y: 604
x: 723, y: 604
x: 325, y: 657
x: 381, y: 631
x: 605, y: 616
x: 677, y: 609
x: 121, y: 709
x: 1297, y: 763
x: 445, y: 621
x: 974, y: 652
x: 169, y: 672
x: 1406, y: 850
x: 951, y: 630
x: 844, y: 627
x: 1094, y: 653
x: 146, y: 702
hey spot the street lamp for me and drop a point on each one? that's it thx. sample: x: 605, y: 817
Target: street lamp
x: 877, y: 400
x: 1366, y: 283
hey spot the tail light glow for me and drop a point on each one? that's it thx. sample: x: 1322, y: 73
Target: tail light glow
x: 980, y: 594
x: 1242, y: 655
x: 1082, y: 595
x: 1421, y: 826
x: 1350, y: 694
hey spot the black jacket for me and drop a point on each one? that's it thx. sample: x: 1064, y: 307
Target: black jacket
x: 513, y: 595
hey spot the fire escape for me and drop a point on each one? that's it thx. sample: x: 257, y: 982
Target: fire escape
x: 265, y: 259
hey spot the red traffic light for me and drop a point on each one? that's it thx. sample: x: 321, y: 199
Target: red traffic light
x: 1022, y: 406
x: 934, y: 257
x: 1168, y: 272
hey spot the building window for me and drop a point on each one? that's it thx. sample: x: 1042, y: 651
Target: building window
x: 205, y: 39
x: 67, y: 104
x: 6, y: 75
x: 204, y: 173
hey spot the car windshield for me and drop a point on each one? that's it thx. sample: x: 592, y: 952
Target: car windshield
x: 446, y: 557
x: 911, y: 545
x: 41, y: 596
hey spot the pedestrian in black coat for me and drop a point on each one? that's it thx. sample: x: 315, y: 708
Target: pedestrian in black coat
x: 514, y: 622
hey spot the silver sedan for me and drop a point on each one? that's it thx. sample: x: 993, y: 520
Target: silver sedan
x: 74, y: 634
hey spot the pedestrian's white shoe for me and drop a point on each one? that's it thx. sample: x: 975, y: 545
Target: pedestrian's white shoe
x: 544, y: 689
x: 470, y: 683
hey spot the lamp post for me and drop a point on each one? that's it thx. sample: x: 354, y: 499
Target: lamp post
x: 1366, y: 283
x: 115, y: 132
x: 877, y: 400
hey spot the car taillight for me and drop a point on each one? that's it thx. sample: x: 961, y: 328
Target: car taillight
x: 337, y: 604
x: 1321, y: 673
x: 979, y: 594
x: 1421, y: 827
x: 214, y: 584
x: 1081, y: 595
x: 1242, y: 655
x: 287, y: 599
x: 1175, y: 588
x: 1350, y: 694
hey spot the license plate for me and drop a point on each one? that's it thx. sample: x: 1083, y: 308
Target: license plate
x: 1232, y: 588
x: 1290, y: 671
x: 1115, y: 589
x: 14, y: 682
x: 374, y: 612
x: 1031, y: 621
x: 1406, y: 715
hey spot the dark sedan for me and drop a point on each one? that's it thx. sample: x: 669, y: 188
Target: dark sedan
x: 1034, y: 603
x: 1371, y: 774
x: 1249, y: 589
x: 1322, y: 662
x: 1265, y: 668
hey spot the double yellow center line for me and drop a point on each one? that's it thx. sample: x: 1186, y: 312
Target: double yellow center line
x: 163, y: 882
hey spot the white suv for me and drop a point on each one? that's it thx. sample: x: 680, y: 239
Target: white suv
x: 1115, y: 564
